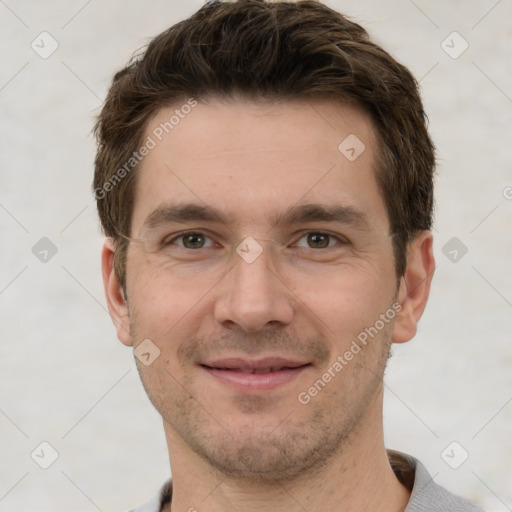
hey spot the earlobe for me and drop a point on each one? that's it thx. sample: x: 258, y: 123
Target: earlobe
x: 414, y: 287
x: 116, y: 302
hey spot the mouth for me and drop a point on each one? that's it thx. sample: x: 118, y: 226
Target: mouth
x: 257, y: 375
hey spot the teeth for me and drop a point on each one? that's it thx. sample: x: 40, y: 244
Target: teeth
x: 252, y: 370
x: 257, y: 371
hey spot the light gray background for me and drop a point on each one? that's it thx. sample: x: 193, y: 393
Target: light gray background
x: 65, y: 378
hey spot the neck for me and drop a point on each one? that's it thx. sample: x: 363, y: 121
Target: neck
x: 358, y: 477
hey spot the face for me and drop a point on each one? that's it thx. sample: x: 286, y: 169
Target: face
x: 260, y: 256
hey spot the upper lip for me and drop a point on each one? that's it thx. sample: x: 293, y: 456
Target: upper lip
x: 272, y: 363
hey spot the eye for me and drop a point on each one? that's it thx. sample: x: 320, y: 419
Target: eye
x: 319, y: 240
x: 191, y: 240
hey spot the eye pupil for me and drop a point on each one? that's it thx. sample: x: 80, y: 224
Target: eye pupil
x: 318, y: 240
x: 193, y: 240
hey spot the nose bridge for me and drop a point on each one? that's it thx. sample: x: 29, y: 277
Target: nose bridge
x: 252, y: 295
x: 253, y: 276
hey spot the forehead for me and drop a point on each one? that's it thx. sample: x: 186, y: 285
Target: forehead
x: 246, y: 156
x: 218, y: 128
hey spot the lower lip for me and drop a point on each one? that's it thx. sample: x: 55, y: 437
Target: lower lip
x: 256, y: 381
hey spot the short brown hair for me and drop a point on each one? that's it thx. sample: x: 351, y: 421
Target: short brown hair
x: 276, y: 50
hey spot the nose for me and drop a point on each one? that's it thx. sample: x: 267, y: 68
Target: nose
x: 253, y: 296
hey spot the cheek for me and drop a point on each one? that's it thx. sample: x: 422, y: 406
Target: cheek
x: 161, y: 298
x: 165, y: 386
x: 345, y: 291
x: 344, y: 304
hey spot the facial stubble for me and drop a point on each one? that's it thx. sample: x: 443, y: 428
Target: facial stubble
x: 271, y: 444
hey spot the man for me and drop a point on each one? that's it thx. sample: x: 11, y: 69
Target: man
x: 264, y: 178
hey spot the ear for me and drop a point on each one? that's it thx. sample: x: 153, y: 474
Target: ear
x: 116, y: 301
x: 414, y: 287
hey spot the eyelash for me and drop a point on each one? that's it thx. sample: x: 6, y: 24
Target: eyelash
x: 170, y: 241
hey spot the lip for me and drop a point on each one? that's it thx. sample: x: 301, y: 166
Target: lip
x: 247, y: 365
x: 235, y: 372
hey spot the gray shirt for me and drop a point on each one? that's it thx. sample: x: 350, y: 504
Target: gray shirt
x: 426, y: 495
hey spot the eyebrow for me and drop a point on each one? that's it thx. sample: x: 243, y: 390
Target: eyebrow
x: 301, y: 214
x: 321, y: 213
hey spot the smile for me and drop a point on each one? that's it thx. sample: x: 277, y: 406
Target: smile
x: 255, y: 379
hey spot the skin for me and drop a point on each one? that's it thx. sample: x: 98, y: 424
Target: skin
x: 253, y: 160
